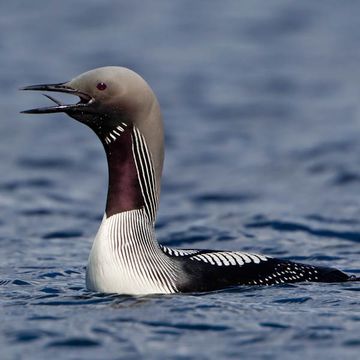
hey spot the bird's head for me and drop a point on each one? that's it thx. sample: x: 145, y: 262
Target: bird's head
x: 109, y: 97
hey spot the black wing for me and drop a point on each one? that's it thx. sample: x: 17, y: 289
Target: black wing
x: 206, y: 270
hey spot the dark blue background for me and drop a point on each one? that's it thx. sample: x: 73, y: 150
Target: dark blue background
x: 261, y: 109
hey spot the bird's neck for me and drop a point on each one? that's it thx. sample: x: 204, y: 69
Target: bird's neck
x: 125, y: 256
x: 132, y: 181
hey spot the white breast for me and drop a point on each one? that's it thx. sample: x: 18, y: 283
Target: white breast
x: 126, y: 259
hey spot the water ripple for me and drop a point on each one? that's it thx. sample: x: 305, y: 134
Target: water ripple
x: 75, y: 342
x: 291, y: 227
x: 29, y: 335
x: 63, y: 234
x: 296, y: 300
x: 47, y: 163
x: 20, y: 282
x: 221, y: 197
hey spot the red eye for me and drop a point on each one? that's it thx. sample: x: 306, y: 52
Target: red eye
x: 101, y: 86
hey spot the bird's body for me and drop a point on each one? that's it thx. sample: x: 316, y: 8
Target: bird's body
x: 119, y: 106
x: 126, y: 259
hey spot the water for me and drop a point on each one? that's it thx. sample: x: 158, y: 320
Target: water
x: 260, y: 101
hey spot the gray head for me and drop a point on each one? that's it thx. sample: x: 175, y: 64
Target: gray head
x: 110, y: 96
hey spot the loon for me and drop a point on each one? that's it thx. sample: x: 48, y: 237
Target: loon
x: 122, y: 110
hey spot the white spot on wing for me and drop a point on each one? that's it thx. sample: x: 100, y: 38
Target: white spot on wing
x: 229, y: 258
x: 178, y: 252
x: 210, y: 259
x: 216, y: 259
x: 201, y: 257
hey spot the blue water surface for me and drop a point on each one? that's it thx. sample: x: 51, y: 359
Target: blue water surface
x: 261, y: 108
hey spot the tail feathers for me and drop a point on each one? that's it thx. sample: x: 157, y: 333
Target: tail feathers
x: 330, y: 275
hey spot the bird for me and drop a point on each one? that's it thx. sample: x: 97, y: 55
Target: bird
x: 126, y: 258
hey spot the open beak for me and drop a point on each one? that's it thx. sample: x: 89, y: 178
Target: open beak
x: 82, y: 106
